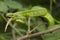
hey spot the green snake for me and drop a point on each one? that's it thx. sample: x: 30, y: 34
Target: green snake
x: 33, y: 12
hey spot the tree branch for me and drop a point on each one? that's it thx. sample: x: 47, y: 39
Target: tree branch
x: 13, y: 32
x: 39, y: 33
x: 28, y: 31
x: 28, y: 26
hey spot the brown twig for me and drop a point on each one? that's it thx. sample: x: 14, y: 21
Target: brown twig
x: 13, y: 32
x: 35, y: 28
x: 28, y: 25
x: 8, y: 22
x: 28, y: 32
x: 39, y: 33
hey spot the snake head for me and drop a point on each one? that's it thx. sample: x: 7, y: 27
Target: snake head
x: 11, y: 15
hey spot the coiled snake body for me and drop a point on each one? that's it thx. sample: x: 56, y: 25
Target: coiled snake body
x: 34, y: 11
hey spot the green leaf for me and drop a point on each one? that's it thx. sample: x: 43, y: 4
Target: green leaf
x: 38, y: 24
x: 2, y: 37
x: 42, y: 26
x: 49, y: 36
x: 3, y: 7
x: 13, y: 5
x: 57, y: 33
x: 22, y: 30
x: 52, y: 36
